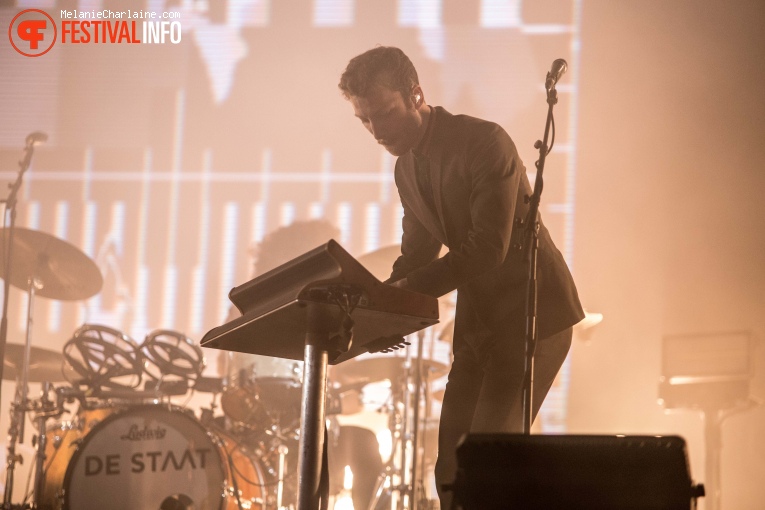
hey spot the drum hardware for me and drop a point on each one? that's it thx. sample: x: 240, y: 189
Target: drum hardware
x: 390, y: 368
x: 391, y: 479
x: 212, y: 385
x: 43, y: 410
x: 37, y: 263
x: 102, y: 357
x: 283, y: 451
x: 410, y: 376
x: 44, y: 364
x: 44, y: 266
x: 171, y: 357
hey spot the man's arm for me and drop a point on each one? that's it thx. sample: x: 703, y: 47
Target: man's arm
x: 418, y: 248
x: 495, y: 171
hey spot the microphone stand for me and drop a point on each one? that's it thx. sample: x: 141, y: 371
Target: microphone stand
x: 532, y: 247
x: 21, y: 403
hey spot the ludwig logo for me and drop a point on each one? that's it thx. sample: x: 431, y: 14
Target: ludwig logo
x: 32, y: 32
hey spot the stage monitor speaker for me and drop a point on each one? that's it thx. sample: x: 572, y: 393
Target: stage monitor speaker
x: 529, y: 472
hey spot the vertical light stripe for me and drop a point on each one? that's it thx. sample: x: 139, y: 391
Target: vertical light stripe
x: 89, y: 225
x: 61, y: 231
x: 33, y: 222
x: 141, y: 291
x: 250, y: 13
x: 315, y: 211
x: 372, y: 228
x: 199, y: 276
x: 170, y: 277
x: 171, y: 270
x: 333, y: 13
x: 387, y: 169
x: 33, y: 214
x: 573, y: 114
x: 258, y: 222
x: 169, y: 301
x: 345, y: 223
x: 286, y: 214
x: 61, y: 219
x: 117, y: 230
x: 501, y: 13
x: 89, y: 222
x: 180, y: 113
x: 228, y: 257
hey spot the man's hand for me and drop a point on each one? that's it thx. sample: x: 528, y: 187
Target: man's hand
x: 401, y: 284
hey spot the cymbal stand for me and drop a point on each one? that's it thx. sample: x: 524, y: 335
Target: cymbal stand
x: 390, y: 473
x: 282, y: 450
x: 15, y: 430
x: 21, y: 405
x: 9, y: 216
x: 393, y: 475
x: 425, y: 398
x: 45, y: 410
x: 18, y: 407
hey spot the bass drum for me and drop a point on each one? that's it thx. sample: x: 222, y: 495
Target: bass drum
x: 62, y: 440
x: 153, y: 457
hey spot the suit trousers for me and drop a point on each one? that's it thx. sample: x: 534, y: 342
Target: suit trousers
x: 486, y: 395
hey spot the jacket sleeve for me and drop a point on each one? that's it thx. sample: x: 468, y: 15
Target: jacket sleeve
x: 418, y: 246
x: 495, y: 171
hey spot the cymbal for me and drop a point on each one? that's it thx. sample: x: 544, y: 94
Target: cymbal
x: 62, y: 271
x: 380, y: 262
x: 371, y: 370
x: 44, y: 364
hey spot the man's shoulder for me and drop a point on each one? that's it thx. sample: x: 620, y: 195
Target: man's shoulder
x: 466, y: 128
x: 465, y: 123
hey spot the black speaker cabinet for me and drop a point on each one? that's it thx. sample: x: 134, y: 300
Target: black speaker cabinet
x: 516, y: 471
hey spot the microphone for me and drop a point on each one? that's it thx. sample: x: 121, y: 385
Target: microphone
x: 559, y: 67
x: 36, y: 138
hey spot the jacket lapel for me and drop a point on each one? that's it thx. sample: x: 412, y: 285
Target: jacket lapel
x: 417, y: 203
x: 436, y: 151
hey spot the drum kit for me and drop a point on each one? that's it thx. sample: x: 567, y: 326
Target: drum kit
x: 126, y: 445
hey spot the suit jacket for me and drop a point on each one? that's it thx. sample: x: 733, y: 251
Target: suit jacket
x: 479, y: 184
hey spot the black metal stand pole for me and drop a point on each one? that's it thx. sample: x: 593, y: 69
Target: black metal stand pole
x: 313, y: 475
x: 532, y: 247
x: 413, y: 495
x: 312, y: 415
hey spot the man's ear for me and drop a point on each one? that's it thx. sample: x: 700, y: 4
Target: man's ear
x: 418, y: 97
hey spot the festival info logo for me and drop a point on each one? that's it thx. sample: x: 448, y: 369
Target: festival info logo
x: 32, y: 32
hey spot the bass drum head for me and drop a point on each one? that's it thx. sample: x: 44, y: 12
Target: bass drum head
x: 155, y: 458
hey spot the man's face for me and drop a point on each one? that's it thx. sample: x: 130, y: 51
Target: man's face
x: 392, y: 119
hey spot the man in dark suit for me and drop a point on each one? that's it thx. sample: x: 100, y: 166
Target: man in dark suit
x: 462, y: 185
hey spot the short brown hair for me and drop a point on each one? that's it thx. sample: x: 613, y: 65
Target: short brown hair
x: 383, y: 65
